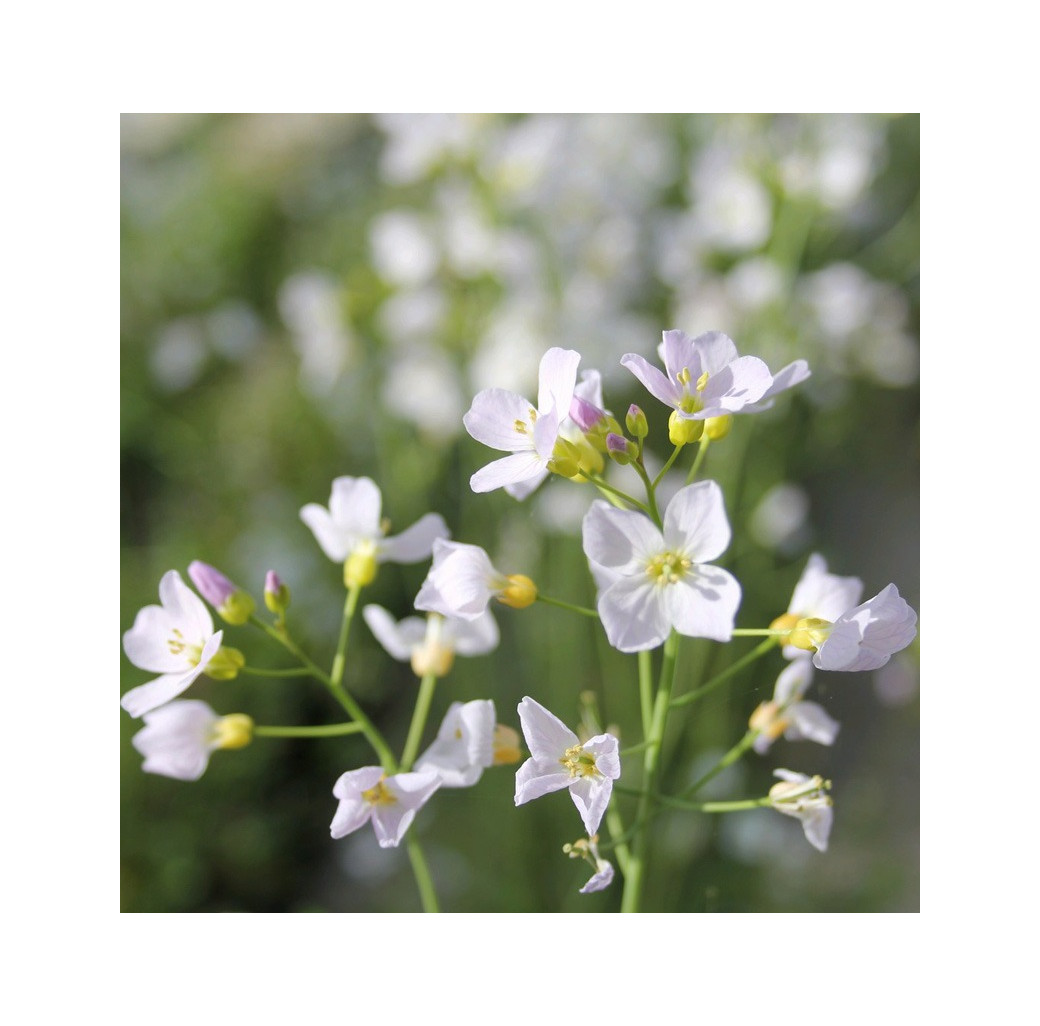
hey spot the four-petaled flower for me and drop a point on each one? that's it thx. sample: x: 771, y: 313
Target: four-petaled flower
x: 462, y: 581
x: 390, y: 802
x: 651, y: 581
x: 704, y: 377
x: 806, y: 799
x: 787, y: 714
x: 504, y: 420
x: 350, y: 530
x: 559, y: 760
x: 430, y: 643
x: 178, y: 738
x: 175, y: 639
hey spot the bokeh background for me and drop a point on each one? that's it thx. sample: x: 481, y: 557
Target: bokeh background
x: 307, y: 296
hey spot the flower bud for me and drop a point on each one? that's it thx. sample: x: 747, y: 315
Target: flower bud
x: 810, y: 633
x: 585, y: 414
x: 225, y: 664
x: 234, y: 731
x: 276, y: 593
x: 621, y: 450
x: 359, y: 569
x: 636, y: 423
x: 717, y: 428
x: 682, y: 431
x: 566, y: 458
x: 505, y: 745
x: 234, y: 605
x: 519, y: 592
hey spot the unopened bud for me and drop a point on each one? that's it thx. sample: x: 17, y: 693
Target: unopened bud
x: 636, y: 423
x: 718, y: 427
x: 621, y: 450
x: 225, y: 664
x: 234, y: 605
x: 276, y: 593
x: 519, y: 592
x: 585, y: 414
x: 682, y: 431
x: 566, y: 458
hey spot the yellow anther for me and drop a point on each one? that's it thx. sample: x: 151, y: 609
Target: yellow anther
x: 683, y: 377
x: 579, y: 763
x: 668, y: 567
x: 701, y: 382
x: 379, y: 795
x: 234, y: 731
x: 520, y: 427
x: 519, y: 591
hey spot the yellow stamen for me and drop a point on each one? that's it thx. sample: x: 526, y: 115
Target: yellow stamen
x: 668, y: 567
x: 579, y: 763
x: 379, y: 795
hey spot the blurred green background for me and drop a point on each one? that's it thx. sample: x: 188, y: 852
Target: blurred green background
x: 307, y: 296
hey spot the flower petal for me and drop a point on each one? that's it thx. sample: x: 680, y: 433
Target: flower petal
x: 520, y: 490
x: 653, y: 380
x: 547, y: 736
x: 793, y: 374
x: 496, y: 417
x: 794, y: 680
x: 460, y: 583
x: 175, y: 740
x: 601, y: 879
x: 351, y: 814
x: 715, y: 352
x: 810, y: 722
x: 158, y: 692
x: 557, y: 372
x: 695, y: 522
x: 147, y: 643
x: 335, y: 542
x: 521, y: 466
x: 735, y: 386
x: 824, y: 595
x: 591, y: 796
x: 415, y: 543
x: 866, y: 637
x: 397, y: 638
x: 633, y: 614
x: 703, y: 604
x: 679, y: 353
x: 535, y: 778
x: 473, y: 637
x: 619, y: 539
x: 816, y: 824
x: 355, y: 505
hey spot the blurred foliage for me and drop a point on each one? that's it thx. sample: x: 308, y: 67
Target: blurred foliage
x: 308, y: 296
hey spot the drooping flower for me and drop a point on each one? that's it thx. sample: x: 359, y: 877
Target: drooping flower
x: 806, y: 799
x: 350, y: 531
x: 175, y: 639
x: 787, y: 714
x: 179, y: 737
x: 651, y: 581
x: 819, y: 595
x: 430, y: 643
x: 462, y: 581
x: 704, y: 377
x: 390, y: 802
x: 467, y: 743
x: 226, y: 597
x: 603, y: 871
x: 506, y: 421
x: 559, y: 760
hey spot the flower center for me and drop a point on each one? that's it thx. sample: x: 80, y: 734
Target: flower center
x: 520, y: 427
x: 691, y: 403
x: 579, y: 763
x: 379, y: 795
x: 178, y: 646
x: 668, y: 567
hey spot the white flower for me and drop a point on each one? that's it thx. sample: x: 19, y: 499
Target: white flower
x: 806, y: 799
x: 559, y: 760
x: 823, y: 619
x: 465, y: 744
x: 178, y: 738
x: 504, y: 420
x: 175, y: 639
x: 390, y: 802
x: 430, y: 643
x: 787, y: 714
x: 462, y: 581
x: 651, y: 581
x: 704, y: 377
x: 603, y: 871
x: 350, y: 530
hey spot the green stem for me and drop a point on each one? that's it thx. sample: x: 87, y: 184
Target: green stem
x: 617, y: 835
x: 422, y: 711
x: 699, y: 458
x: 422, y: 875
x: 349, y: 608
x: 646, y: 698
x: 566, y: 605
x: 295, y: 671
x: 604, y: 487
x: 635, y: 877
x: 727, y: 760
x: 668, y: 465
x: 756, y: 653
x: 651, y: 499
x: 329, y: 730
x: 759, y: 632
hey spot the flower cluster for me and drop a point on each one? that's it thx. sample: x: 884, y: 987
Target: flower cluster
x: 657, y: 578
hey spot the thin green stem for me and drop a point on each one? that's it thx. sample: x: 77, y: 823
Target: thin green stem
x: 646, y: 697
x: 668, y: 464
x: 567, y: 605
x: 735, y: 753
x: 635, y: 877
x: 651, y: 499
x: 285, y: 641
x: 294, y: 671
x: 328, y: 730
x: 759, y: 632
x: 419, y: 716
x: 756, y: 653
x: 422, y: 875
x: 349, y: 608
x: 617, y: 835
x: 699, y: 458
x: 603, y: 486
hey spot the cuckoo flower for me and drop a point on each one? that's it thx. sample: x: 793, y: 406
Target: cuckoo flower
x: 820, y: 595
x: 467, y: 743
x: 175, y: 640
x: 559, y: 760
x: 504, y: 420
x: 603, y: 871
x: 704, y: 377
x: 462, y: 581
x: 430, y: 643
x: 806, y: 799
x: 651, y: 581
x: 178, y: 738
x: 390, y: 802
x: 787, y: 714
x: 350, y: 531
